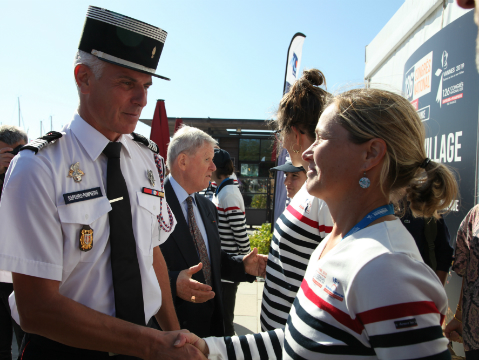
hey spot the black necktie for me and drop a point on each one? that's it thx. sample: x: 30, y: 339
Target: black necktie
x: 127, y: 281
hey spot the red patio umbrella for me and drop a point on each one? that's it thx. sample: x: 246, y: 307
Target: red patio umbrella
x: 178, y: 124
x: 160, y: 133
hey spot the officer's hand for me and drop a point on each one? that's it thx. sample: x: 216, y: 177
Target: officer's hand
x: 163, y: 348
x: 187, y: 287
x: 5, y: 158
x: 255, y: 264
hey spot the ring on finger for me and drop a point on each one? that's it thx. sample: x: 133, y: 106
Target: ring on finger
x: 192, y: 299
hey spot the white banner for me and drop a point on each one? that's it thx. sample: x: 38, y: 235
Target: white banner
x: 292, y: 72
x: 294, y: 59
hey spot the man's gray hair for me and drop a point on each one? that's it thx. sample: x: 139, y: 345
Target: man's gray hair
x: 11, y: 134
x: 93, y: 62
x: 187, y: 140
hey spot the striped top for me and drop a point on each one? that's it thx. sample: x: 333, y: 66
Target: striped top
x: 298, y: 231
x: 231, y: 219
x: 370, y: 297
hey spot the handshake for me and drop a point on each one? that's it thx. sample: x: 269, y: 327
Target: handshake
x: 183, y: 344
x: 184, y: 338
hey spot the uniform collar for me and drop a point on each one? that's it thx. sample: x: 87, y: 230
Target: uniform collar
x: 92, y: 140
x: 182, y: 195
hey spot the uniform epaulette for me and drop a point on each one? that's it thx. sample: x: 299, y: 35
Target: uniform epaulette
x: 147, y: 142
x: 42, y: 142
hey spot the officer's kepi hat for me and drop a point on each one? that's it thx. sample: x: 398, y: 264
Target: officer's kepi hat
x: 123, y: 41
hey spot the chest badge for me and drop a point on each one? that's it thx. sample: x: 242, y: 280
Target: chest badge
x: 86, y: 238
x: 150, y: 177
x: 75, y: 172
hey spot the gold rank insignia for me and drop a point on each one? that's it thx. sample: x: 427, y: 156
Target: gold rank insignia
x: 75, y: 172
x: 154, y: 51
x: 86, y: 238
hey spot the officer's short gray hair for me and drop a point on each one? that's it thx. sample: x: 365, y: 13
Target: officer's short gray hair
x: 10, y: 134
x: 93, y: 62
x: 187, y: 140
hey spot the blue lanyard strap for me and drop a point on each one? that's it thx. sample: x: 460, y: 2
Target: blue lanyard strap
x: 220, y: 185
x: 371, y: 217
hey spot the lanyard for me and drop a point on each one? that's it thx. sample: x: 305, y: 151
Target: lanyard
x: 371, y: 217
x: 218, y: 187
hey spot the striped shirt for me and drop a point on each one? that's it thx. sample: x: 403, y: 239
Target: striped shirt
x: 370, y: 297
x: 298, y: 231
x: 231, y: 219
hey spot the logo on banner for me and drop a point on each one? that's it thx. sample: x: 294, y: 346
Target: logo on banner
x: 444, y: 60
x: 452, y: 93
x: 294, y: 64
x: 418, y: 79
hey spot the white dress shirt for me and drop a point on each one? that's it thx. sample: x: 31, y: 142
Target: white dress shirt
x: 182, y: 196
x: 40, y: 232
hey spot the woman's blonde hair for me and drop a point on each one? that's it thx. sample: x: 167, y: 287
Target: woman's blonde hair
x: 430, y: 187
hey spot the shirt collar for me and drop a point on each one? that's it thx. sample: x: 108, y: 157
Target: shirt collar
x: 182, y: 195
x: 92, y: 140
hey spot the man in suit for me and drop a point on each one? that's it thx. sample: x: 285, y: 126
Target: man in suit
x: 193, y: 252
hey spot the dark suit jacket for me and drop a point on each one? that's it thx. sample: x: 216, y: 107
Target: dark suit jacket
x: 180, y: 253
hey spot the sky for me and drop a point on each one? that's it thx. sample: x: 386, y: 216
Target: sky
x: 226, y: 59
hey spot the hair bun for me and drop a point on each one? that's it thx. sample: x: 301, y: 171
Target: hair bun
x: 314, y: 77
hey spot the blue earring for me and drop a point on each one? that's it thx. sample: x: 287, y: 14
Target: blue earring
x: 364, y: 181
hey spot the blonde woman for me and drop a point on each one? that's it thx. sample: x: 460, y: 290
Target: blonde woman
x: 366, y: 294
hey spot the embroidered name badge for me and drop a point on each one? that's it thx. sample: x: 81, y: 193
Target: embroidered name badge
x: 402, y: 324
x: 153, y: 192
x: 82, y: 195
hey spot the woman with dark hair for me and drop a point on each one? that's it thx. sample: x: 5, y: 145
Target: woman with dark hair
x: 366, y: 293
x: 306, y: 220
x: 231, y: 226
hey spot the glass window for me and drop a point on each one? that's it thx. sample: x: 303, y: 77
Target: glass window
x: 249, y: 150
x: 254, y: 193
x: 266, y: 150
x: 249, y: 170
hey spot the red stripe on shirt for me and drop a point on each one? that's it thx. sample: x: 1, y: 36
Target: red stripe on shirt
x: 340, y: 316
x: 397, y: 311
x: 229, y: 208
x: 302, y: 218
x: 326, y: 229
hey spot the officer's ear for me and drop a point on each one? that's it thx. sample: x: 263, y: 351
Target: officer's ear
x: 83, y: 76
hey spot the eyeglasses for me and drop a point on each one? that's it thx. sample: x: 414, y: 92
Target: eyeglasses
x: 278, y: 135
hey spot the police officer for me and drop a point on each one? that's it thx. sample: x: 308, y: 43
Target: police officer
x: 86, y: 213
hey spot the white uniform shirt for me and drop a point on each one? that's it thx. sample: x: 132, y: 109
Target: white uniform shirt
x: 40, y: 233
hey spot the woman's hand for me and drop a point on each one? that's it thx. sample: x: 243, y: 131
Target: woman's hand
x: 190, y: 338
x: 453, y: 331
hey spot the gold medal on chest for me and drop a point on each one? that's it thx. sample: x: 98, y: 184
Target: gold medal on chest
x: 86, y: 238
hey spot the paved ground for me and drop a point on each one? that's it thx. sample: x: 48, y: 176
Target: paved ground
x: 247, y: 308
